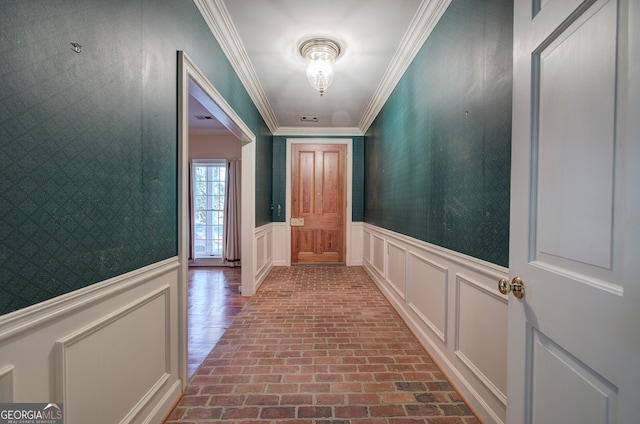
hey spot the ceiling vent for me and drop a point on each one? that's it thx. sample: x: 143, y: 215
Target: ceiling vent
x: 309, y: 118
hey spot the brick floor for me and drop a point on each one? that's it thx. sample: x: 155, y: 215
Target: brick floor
x: 319, y: 345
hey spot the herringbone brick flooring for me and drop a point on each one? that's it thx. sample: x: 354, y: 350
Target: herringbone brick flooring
x: 319, y: 345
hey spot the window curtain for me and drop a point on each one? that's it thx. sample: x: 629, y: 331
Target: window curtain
x: 232, y: 214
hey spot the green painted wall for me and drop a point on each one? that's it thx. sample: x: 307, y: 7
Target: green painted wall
x: 437, y: 157
x: 280, y: 175
x: 88, y: 142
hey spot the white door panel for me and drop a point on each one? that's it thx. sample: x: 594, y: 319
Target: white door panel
x: 574, y: 340
x: 574, y: 78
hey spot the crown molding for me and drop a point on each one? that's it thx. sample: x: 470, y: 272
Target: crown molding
x: 217, y: 18
x: 319, y: 131
x: 423, y: 23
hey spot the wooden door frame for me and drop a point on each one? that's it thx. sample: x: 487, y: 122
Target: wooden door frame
x: 349, y: 174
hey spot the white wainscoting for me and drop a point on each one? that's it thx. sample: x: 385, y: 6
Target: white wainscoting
x: 108, y: 352
x: 451, y: 302
x: 6, y: 384
x: 354, y: 250
x: 282, y: 242
x: 263, y: 254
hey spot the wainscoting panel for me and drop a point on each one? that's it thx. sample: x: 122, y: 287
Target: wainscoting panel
x: 366, y: 247
x: 109, y: 351
x: 451, y: 302
x: 263, y: 251
x: 269, y: 246
x: 478, y: 339
x: 6, y: 384
x: 102, y: 352
x: 378, y: 255
x: 354, y: 250
x: 281, y: 244
x: 396, y: 267
x: 260, y: 251
x: 427, y: 297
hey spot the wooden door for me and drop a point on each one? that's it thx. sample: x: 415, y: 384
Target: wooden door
x: 574, y: 339
x: 318, y: 203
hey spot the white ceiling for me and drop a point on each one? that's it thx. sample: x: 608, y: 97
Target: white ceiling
x: 379, y: 38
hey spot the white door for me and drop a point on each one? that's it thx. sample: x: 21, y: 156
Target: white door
x: 574, y: 339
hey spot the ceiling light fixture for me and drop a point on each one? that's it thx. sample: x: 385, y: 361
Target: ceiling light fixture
x: 320, y: 53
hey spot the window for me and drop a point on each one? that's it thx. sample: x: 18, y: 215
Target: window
x: 208, y: 208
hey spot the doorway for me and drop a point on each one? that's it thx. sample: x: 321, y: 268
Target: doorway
x: 348, y: 166
x: 318, y: 203
x: 193, y: 84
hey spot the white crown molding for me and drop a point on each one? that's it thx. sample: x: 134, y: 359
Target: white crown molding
x: 208, y: 131
x: 319, y: 131
x: 217, y: 18
x: 425, y: 20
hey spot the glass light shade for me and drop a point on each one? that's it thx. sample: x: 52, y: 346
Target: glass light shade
x: 320, y: 54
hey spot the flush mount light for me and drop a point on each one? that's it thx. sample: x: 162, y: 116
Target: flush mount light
x: 320, y: 53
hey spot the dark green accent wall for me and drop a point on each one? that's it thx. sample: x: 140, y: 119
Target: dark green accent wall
x: 280, y: 174
x: 437, y: 157
x: 279, y: 179
x: 88, y: 142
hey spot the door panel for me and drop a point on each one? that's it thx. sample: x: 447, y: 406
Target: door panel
x: 575, y: 77
x: 587, y: 396
x: 319, y: 199
x: 573, y: 341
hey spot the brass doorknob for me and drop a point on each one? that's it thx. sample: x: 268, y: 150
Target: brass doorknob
x: 516, y: 286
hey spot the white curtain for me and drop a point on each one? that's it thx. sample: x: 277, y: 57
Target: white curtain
x: 232, y: 214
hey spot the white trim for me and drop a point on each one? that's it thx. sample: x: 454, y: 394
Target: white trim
x: 319, y: 131
x: 462, y: 279
x: 400, y: 291
x: 248, y: 218
x: 425, y: 20
x: 478, y: 265
x: 29, y: 341
x: 62, y: 346
x: 348, y: 219
x: 440, y: 333
x: 443, y: 344
x: 208, y: 161
x: 6, y: 384
x: 217, y: 18
x: 193, y: 82
x: 207, y: 260
x: 263, y: 252
x: 43, y: 313
x: 279, y: 243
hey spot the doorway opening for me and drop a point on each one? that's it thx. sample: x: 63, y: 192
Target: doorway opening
x: 348, y: 142
x: 199, y: 103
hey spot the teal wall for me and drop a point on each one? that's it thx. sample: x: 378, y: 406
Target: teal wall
x: 279, y: 189
x: 88, y: 142
x: 437, y: 157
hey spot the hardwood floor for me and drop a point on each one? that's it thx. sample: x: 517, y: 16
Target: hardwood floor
x: 214, y: 301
